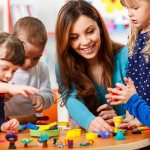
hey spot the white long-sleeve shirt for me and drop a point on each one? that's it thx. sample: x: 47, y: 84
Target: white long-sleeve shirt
x: 37, y: 77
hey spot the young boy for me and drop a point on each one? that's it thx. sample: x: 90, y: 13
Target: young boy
x: 12, y: 56
x: 35, y: 73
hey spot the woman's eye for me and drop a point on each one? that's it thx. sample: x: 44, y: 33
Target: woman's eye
x: 90, y: 31
x: 73, y: 37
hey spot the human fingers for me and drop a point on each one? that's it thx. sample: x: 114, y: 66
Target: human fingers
x: 113, y: 103
x: 103, y: 125
x: 39, y: 109
x: 108, y: 115
x: 110, y: 121
x: 94, y: 126
x: 104, y: 107
x: 123, y: 125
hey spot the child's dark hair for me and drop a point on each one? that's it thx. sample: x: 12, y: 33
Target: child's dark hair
x: 12, y: 48
x: 33, y: 29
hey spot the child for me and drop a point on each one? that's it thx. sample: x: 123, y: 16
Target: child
x: 12, y: 56
x: 35, y: 73
x: 139, y: 50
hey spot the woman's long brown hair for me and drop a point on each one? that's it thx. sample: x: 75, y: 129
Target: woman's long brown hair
x: 73, y: 67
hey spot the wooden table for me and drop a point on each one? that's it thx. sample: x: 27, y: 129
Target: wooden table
x: 133, y: 141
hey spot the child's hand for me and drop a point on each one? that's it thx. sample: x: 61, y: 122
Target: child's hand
x: 134, y: 123
x: 7, y: 96
x: 12, y: 125
x: 126, y: 120
x: 123, y: 95
x: 38, y: 103
x: 21, y: 90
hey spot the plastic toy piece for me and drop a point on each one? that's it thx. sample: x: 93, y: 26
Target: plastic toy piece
x: 50, y: 133
x: 70, y: 143
x: 85, y: 144
x: 55, y: 140
x: 11, y: 138
x: 43, y: 139
x: 26, y: 141
x: 74, y: 133
x: 91, y: 136
x: 60, y: 145
x: 22, y: 127
x: 136, y: 131
x: 32, y: 126
x: 103, y: 134
x: 47, y: 127
x: 120, y: 135
x: 117, y: 120
x: 2, y: 140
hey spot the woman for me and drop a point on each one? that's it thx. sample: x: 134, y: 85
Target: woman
x: 88, y: 63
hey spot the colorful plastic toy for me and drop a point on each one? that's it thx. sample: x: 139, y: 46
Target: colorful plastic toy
x: 91, y: 136
x: 43, y: 139
x: 32, y: 126
x: 136, y: 131
x: 50, y: 133
x: 117, y: 120
x: 11, y: 138
x: 120, y: 135
x: 26, y: 141
x: 103, y: 134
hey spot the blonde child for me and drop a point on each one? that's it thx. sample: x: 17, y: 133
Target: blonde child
x: 35, y: 73
x: 12, y: 56
x: 139, y: 56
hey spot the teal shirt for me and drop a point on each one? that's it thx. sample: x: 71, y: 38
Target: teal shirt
x: 76, y: 108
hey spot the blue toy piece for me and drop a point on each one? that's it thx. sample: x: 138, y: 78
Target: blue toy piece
x: 22, y: 127
x: 32, y: 126
x: 103, y: 134
x: 120, y: 135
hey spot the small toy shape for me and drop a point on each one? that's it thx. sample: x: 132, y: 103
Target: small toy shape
x: 55, y: 140
x: 11, y: 138
x: 60, y: 145
x: 91, y: 136
x: 43, y: 139
x: 136, y: 131
x: 85, y: 144
x: 22, y: 127
x: 26, y: 141
x: 117, y: 120
x: 32, y: 126
x: 120, y: 135
x: 103, y: 134
x: 70, y: 143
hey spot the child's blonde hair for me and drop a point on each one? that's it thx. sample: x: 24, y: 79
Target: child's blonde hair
x: 134, y: 33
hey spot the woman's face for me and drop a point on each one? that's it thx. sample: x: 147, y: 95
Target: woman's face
x: 85, y: 37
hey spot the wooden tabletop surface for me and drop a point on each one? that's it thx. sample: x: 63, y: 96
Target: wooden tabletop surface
x: 133, y: 141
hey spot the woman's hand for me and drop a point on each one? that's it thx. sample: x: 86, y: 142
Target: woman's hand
x: 99, y: 124
x: 107, y: 113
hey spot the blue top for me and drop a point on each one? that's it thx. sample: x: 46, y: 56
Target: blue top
x: 139, y: 108
x: 76, y: 108
x: 2, y: 116
x: 139, y: 69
